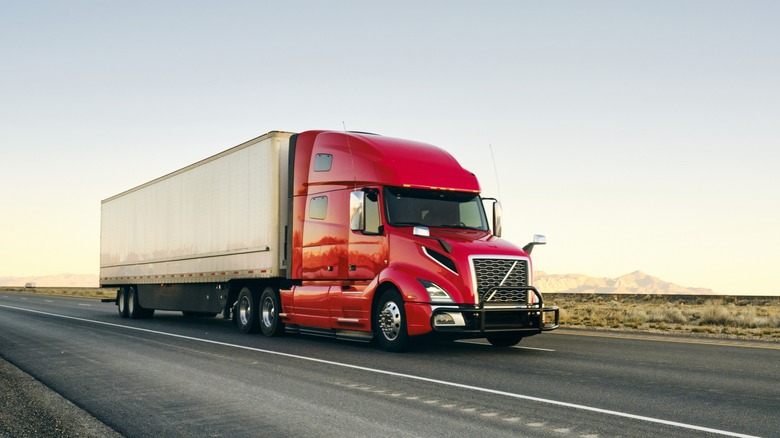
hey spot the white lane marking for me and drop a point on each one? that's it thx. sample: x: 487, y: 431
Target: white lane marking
x: 533, y: 348
x: 404, y: 376
x: 85, y: 305
x: 48, y: 301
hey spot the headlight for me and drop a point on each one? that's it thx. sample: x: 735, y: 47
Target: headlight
x: 435, y: 292
x: 444, y: 319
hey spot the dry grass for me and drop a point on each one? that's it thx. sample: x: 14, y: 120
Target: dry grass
x: 721, y: 316
x: 81, y: 292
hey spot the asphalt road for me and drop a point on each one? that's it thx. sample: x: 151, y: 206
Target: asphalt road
x: 177, y: 376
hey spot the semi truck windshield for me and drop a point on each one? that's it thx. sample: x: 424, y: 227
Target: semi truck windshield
x: 434, y: 208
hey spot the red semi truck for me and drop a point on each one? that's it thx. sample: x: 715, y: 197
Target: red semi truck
x: 344, y: 234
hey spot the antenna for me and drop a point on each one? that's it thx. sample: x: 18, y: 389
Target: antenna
x: 495, y: 171
x: 352, y: 157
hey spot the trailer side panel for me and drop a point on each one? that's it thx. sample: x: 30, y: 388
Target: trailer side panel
x: 217, y: 220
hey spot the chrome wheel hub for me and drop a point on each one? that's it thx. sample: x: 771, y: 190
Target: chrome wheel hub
x: 244, y: 311
x: 268, y: 312
x: 390, y: 320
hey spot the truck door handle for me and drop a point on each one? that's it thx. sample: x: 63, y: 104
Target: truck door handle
x: 330, y: 268
x: 353, y: 267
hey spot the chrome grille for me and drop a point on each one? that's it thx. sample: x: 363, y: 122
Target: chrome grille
x: 507, y: 296
x: 498, y: 280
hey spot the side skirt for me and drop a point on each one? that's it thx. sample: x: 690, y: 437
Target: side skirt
x: 347, y: 335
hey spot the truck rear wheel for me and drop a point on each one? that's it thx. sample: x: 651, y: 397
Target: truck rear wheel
x: 247, y: 311
x: 134, y: 310
x: 121, y: 302
x: 504, y: 339
x: 269, y: 313
x: 390, y: 322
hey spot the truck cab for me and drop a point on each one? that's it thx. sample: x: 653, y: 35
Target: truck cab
x: 389, y: 239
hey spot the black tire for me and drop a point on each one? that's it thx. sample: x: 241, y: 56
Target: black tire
x: 389, y: 322
x: 134, y: 310
x: 247, y: 314
x: 121, y: 302
x: 269, y: 313
x: 504, y: 339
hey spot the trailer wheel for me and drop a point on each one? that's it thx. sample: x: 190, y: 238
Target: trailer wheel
x: 269, y: 313
x: 134, y: 310
x: 504, y: 339
x: 121, y: 302
x: 390, y: 322
x: 247, y: 315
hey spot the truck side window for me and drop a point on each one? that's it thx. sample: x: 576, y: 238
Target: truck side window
x: 322, y: 162
x: 318, y: 207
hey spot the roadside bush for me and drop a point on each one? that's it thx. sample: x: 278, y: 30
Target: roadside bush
x: 769, y: 321
x: 715, y: 314
x: 747, y: 318
x: 635, y: 317
x: 672, y: 315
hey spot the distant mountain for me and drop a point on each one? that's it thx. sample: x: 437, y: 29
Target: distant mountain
x: 61, y: 280
x: 634, y: 283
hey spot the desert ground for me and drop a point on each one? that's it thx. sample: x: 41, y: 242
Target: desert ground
x: 738, y: 317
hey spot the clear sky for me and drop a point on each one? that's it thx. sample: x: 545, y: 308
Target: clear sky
x: 635, y: 135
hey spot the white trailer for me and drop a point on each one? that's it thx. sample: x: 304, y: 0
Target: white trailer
x: 220, y: 219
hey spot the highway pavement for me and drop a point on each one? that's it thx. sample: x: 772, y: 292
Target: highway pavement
x: 183, y: 376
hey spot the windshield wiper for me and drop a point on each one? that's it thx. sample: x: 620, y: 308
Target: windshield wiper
x: 459, y: 226
x: 407, y: 224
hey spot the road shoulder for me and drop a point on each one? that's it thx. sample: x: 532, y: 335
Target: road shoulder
x: 28, y: 408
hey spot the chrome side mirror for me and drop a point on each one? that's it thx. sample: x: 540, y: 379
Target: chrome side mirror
x: 497, y: 218
x: 539, y: 239
x: 357, y: 220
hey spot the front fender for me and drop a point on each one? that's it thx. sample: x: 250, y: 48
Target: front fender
x: 416, y: 300
x: 404, y: 277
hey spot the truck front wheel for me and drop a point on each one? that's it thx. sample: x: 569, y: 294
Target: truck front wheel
x: 390, y: 322
x: 269, y: 313
x: 247, y: 311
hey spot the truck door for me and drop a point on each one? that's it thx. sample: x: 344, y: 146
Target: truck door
x: 324, y: 257
x: 351, y: 304
x: 367, y: 247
